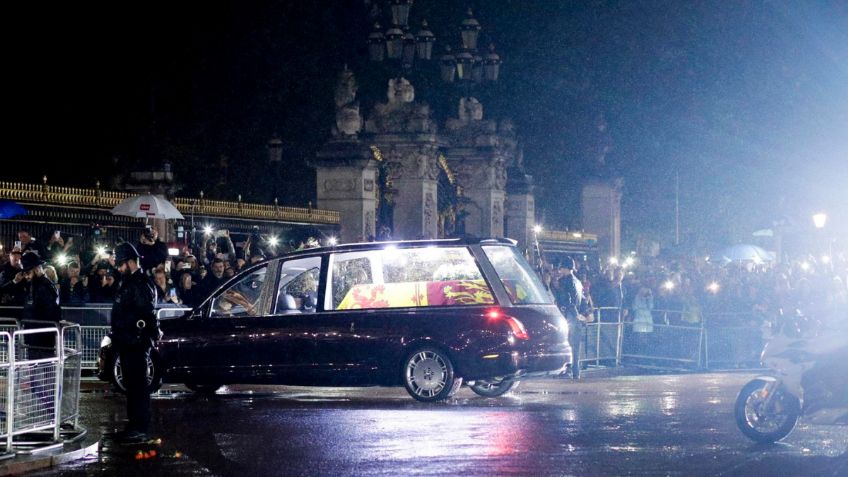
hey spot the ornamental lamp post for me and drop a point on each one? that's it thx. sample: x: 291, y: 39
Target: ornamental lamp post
x: 470, y: 30
x: 464, y: 66
x: 394, y: 43
x: 408, y: 54
x: 491, y: 65
x: 448, y: 66
x: 275, y: 150
x: 376, y: 42
x: 477, y: 69
x: 424, y: 42
x: 400, y: 11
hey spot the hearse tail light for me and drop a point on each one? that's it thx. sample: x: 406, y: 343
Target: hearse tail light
x: 516, y: 326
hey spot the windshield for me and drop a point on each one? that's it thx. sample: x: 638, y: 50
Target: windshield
x: 522, y: 284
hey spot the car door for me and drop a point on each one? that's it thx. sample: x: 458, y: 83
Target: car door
x: 219, y: 347
x: 283, y: 343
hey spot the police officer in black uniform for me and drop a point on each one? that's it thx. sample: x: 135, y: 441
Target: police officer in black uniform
x: 134, y: 333
x: 568, y: 291
x: 41, y: 303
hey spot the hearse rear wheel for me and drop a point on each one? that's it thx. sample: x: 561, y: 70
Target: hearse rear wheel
x: 428, y: 375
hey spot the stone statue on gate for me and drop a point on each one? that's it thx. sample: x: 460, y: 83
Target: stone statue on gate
x: 348, y: 119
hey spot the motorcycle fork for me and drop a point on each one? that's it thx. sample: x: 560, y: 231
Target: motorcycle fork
x: 769, y: 389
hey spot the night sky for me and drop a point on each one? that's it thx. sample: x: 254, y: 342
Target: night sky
x: 747, y: 100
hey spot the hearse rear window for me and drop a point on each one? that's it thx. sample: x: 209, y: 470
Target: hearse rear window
x: 406, y: 277
x: 520, y: 281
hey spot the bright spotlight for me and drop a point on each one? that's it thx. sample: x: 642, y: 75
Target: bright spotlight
x: 713, y: 287
x: 273, y: 240
x: 805, y: 266
x: 332, y: 241
x: 668, y: 285
x: 819, y: 220
x: 825, y: 259
x: 62, y: 259
x: 629, y: 261
x: 613, y: 261
x: 537, y: 229
x: 101, y: 250
x: 207, y: 230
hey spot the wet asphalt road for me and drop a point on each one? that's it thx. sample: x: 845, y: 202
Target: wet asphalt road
x: 639, y: 425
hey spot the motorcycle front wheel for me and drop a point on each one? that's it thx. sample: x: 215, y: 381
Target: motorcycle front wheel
x: 762, y: 420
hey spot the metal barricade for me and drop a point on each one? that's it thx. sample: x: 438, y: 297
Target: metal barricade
x: 34, y: 387
x: 72, y: 353
x: 91, y: 337
x: 6, y: 411
x: 730, y: 347
x: 602, y: 344
x: 666, y: 346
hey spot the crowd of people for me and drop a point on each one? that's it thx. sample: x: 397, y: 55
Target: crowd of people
x: 80, y: 279
x: 699, y: 292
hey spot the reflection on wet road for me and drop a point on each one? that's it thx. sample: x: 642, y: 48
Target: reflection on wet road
x: 680, y: 425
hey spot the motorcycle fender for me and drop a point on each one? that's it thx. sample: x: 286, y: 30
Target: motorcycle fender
x: 767, y: 378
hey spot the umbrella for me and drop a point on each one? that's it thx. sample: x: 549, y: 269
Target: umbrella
x: 10, y: 208
x: 148, y: 206
x: 745, y: 253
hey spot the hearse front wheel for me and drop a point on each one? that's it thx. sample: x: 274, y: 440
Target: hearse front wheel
x: 428, y: 375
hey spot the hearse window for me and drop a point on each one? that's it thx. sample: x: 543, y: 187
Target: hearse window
x: 298, y: 292
x: 407, y: 277
x: 250, y: 296
x: 520, y: 281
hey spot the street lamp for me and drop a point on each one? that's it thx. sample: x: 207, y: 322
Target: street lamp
x: 424, y: 42
x: 448, y: 66
x: 394, y: 43
x: 376, y: 40
x: 470, y: 29
x: 491, y: 65
x: 409, y: 47
x: 400, y: 11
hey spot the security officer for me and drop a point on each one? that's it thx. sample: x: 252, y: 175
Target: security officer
x: 134, y: 333
x: 41, y: 303
x: 569, y: 295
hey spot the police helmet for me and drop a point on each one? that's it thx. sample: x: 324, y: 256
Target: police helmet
x: 125, y: 251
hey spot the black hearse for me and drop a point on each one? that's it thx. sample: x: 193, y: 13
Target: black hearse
x: 427, y: 315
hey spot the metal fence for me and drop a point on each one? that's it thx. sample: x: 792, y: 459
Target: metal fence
x: 40, y: 383
x: 665, y: 346
x: 717, y: 342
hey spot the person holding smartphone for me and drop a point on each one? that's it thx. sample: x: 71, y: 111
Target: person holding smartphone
x: 164, y: 293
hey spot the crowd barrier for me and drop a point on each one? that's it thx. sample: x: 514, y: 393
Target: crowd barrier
x: 709, y: 345
x: 39, y: 387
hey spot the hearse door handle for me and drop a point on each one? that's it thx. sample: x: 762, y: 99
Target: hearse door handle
x: 239, y: 327
x: 352, y: 327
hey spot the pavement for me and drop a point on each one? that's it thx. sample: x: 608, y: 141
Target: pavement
x: 610, y: 423
x: 88, y: 443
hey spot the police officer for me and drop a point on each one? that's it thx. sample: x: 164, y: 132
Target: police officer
x: 134, y: 333
x: 41, y: 303
x: 569, y: 295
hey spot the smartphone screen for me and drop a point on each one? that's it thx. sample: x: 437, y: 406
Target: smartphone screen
x: 173, y: 292
x: 17, y: 244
